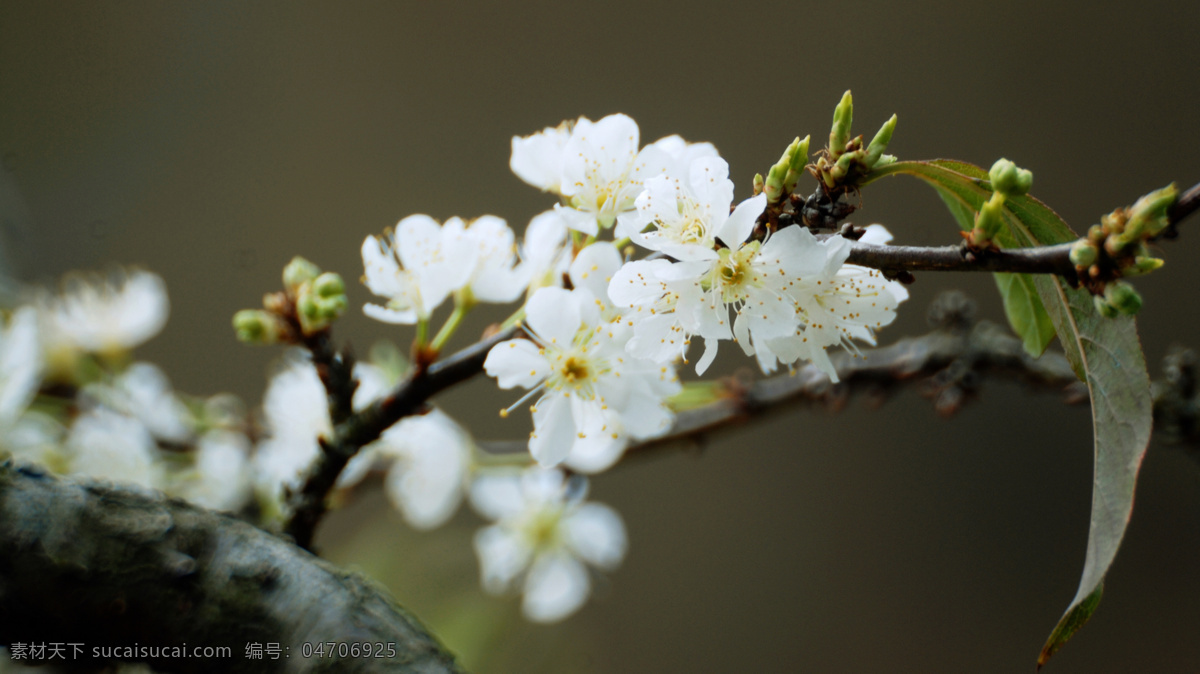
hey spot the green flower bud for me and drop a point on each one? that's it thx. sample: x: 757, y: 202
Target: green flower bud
x: 1084, y: 254
x: 1008, y: 179
x: 799, y: 157
x: 255, y: 326
x: 774, y: 184
x: 329, y: 285
x: 1104, y: 308
x: 1123, y: 297
x: 758, y: 184
x: 298, y: 272
x: 1148, y: 216
x: 843, y: 115
x: 1143, y: 265
x: 880, y: 143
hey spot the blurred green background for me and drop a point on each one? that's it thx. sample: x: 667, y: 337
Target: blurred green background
x: 212, y: 141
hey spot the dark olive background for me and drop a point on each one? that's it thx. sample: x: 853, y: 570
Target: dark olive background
x: 212, y: 141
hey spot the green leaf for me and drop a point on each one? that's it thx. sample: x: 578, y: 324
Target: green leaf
x: 1104, y: 352
x: 1022, y: 305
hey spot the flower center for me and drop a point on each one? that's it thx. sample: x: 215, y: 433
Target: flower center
x: 574, y: 369
x: 734, y: 271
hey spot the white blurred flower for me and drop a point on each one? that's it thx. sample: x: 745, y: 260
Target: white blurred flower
x: 594, y: 397
x: 143, y: 392
x: 106, y: 445
x: 20, y: 366
x: 416, y: 268
x: 107, y: 316
x: 544, y: 534
x: 219, y: 477
x: 430, y: 458
x: 596, y: 167
x: 297, y: 414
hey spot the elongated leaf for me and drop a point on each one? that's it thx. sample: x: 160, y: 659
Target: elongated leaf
x: 1022, y: 305
x: 1105, y: 353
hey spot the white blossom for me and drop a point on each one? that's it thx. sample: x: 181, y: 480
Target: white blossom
x: 219, y: 477
x: 107, y: 445
x: 106, y: 316
x: 596, y: 167
x: 543, y: 536
x: 843, y: 303
x: 492, y: 276
x: 594, y: 397
x: 143, y: 392
x: 297, y: 414
x: 416, y: 268
x: 430, y: 459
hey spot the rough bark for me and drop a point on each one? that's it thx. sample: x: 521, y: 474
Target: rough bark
x: 104, y: 565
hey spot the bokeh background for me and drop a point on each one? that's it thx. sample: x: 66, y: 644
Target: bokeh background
x: 212, y: 141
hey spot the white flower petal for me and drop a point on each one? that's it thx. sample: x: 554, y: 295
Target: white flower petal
x: 503, y: 555
x: 553, y: 430
x: 556, y: 587
x: 596, y: 533
x: 735, y: 230
x: 594, y: 267
x: 496, y: 494
x: 554, y: 314
x: 516, y: 362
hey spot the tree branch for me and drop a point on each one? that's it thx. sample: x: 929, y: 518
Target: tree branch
x: 101, y: 565
x: 308, y: 505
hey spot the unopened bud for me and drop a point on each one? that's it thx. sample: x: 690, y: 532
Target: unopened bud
x: 255, y: 326
x: 1008, y: 179
x: 880, y: 143
x: 329, y: 285
x: 1143, y: 265
x: 1084, y: 254
x: 758, y: 184
x: 298, y: 272
x: 843, y: 115
x: 1104, y: 308
x: 1123, y: 297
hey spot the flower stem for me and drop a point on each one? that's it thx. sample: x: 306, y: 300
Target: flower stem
x: 516, y: 317
x: 450, y: 326
x: 422, y: 332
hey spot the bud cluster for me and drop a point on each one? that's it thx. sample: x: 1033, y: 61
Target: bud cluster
x: 1117, y: 247
x: 310, y: 302
x: 847, y: 159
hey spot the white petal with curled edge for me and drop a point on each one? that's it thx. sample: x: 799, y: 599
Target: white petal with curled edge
x: 497, y: 494
x: 553, y: 430
x: 393, y: 316
x: 734, y: 231
x: 537, y: 159
x: 876, y: 234
x: 381, y: 271
x: 596, y: 533
x: 554, y: 315
x: 516, y: 362
x: 709, y: 355
x: 556, y: 587
x: 503, y: 555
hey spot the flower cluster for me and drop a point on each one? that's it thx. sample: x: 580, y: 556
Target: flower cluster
x: 72, y: 400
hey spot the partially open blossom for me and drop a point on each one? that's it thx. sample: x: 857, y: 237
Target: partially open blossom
x: 102, y: 315
x: 430, y: 457
x: 596, y: 167
x: 594, y: 397
x: 415, y: 268
x: 493, y: 276
x: 543, y: 536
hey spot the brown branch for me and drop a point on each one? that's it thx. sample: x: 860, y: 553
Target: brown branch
x: 101, y: 565
x: 308, y: 504
x: 1041, y: 260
